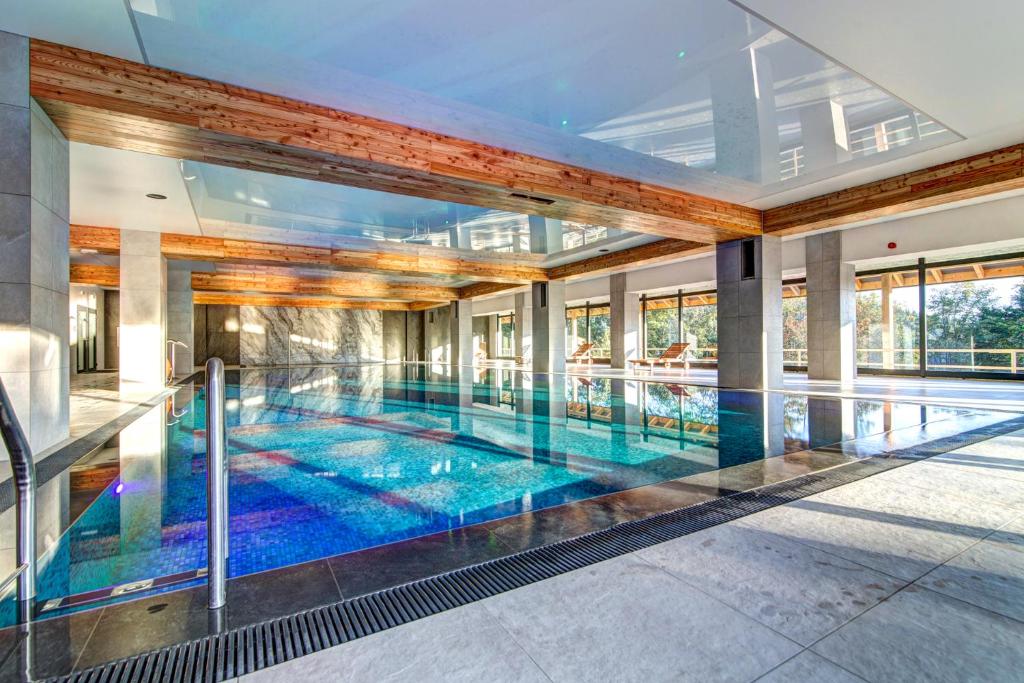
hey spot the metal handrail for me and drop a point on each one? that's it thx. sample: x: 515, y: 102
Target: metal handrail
x: 171, y: 343
x: 23, y: 470
x: 216, y: 486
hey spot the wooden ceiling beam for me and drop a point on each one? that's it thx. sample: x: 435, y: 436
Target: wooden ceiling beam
x: 221, y: 250
x: 981, y: 175
x: 273, y: 283
x: 484, y: 288
x: 633, y: 257
x: 113, y: 102
x: 90, y: 274
x: 215, y: 298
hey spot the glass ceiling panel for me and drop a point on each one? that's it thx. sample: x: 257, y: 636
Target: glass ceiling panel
x: 241, y: 204
x: 697, y: 93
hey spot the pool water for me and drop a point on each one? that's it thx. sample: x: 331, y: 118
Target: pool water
x: 325, y: 461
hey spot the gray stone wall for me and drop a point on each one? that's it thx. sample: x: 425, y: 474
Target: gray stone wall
x: 34, y: 210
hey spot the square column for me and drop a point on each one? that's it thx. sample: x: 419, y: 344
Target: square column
x: 750, y: 313
x: 744, y: 117
x: 549, y: 326
x: 492, y: 335
x: 461, y: 321
x: 180, y: 320
x: 524, y: 327
x: 625, y: 322
x: 34, y: 310
x: 545, y: 235
x: 143, y: 311
x: 831, y: 310
x: 823, y: 134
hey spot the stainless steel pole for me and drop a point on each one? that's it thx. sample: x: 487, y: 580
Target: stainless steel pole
x: 24, y: 472
x: 216, y: 486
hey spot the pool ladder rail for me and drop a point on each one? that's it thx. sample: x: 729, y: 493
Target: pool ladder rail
x: 23, y: 471
x: 216, y: 486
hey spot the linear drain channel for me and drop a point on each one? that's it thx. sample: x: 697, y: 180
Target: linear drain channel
x: 244, y: 650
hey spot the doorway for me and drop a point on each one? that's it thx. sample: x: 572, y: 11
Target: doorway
x: 86, y: 342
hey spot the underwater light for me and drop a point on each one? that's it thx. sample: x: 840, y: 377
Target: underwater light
x: 119, y: 487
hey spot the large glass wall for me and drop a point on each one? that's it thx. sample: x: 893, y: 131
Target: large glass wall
x: 589, y: 323
x: 973, y: 318
x: 678, y: 317
x: 506, y: 335
x: 794, y: 324
x: 888, y: 321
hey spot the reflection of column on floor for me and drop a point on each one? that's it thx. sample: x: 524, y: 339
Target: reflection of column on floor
x: 741, y: 427
x: 888, y: 331
x: 462, y: 383
x: 829, y: 421
x: 774, y: 424
x: 548, y: 419
x: 522, y: 392
x: 625, y: 399
x: 524, y: 327
x: 142, y: 448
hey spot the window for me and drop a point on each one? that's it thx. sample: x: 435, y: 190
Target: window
x: 690, y: 318
x: 661, y: 324
x: 590, y: 323
x: 794, y: 324
x: 973, y: 318
x: 888, y: 313
x: 506, y: 335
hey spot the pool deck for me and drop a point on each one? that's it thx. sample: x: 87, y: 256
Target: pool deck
x: 913, y: 574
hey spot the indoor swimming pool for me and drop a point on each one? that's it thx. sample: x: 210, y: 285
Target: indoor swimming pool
x: 325, y: 461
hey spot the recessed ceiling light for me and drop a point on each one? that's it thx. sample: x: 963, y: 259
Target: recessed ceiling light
x: 86, y: 250
x: 154, y: 195
x: 603, y: 251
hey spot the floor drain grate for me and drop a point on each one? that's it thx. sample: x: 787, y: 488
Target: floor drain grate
x: 258, y: 646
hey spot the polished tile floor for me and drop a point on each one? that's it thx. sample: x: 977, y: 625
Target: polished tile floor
x: 915, y: 574
x: 97, y: 398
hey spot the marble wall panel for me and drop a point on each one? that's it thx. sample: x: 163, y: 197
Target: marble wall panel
x: 298, y: 336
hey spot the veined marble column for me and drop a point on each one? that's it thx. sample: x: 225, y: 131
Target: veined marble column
x: 750, y: 313
x: 548, y: 330
x: 524, y: 327
x: 461, y: 320
x: 831, y: 310
x: 625, y: 321
x: 180, y: 320
x: 143, y: 311
x: 34, y: 313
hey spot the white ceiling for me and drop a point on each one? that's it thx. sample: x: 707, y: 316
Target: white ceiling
x: 956, y: 61
x: 109, y: 188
